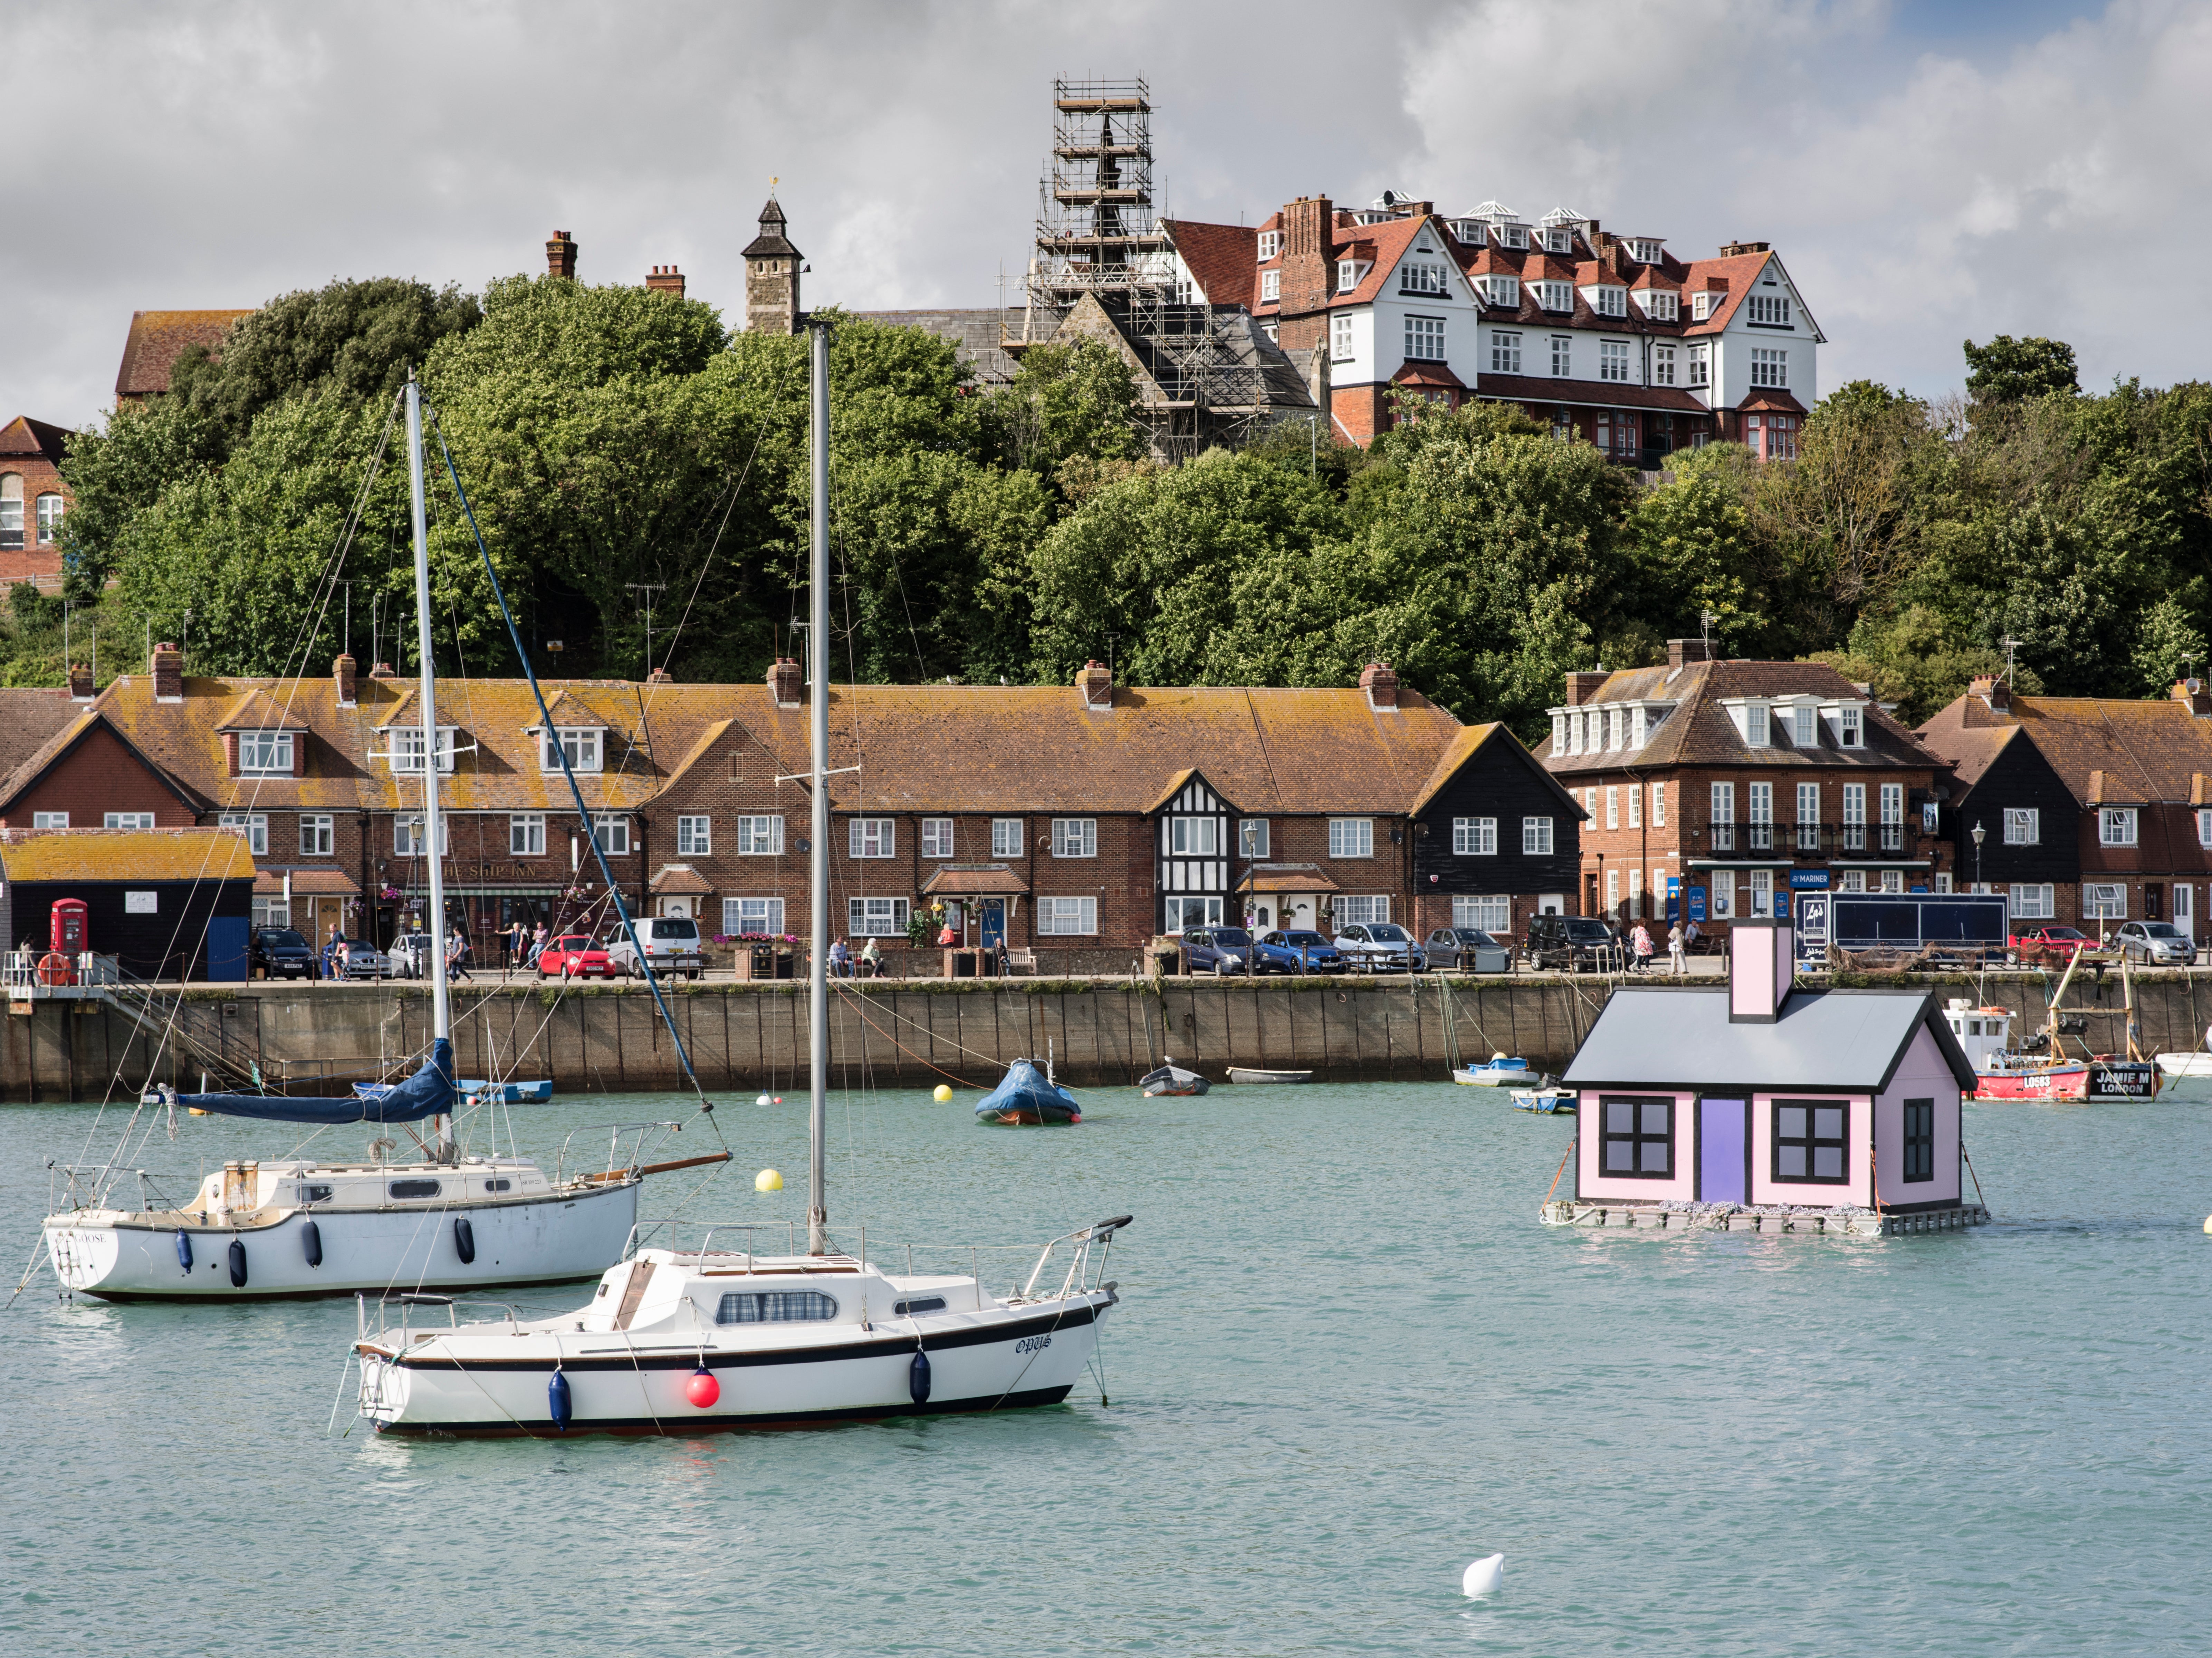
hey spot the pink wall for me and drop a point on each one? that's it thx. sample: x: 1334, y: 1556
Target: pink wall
x: 1751, y: 971
x: 1922, y: 1074
x: 1589, y: 1128
x: 1765, y: 1188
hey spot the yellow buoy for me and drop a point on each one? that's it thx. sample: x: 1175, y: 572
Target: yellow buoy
x: 944, y: 1092
x: 767, y: 1181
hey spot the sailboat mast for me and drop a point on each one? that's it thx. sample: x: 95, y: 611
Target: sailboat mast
x: 433, y: 841
x: 818, y: 890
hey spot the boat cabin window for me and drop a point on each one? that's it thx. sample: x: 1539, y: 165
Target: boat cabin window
x: 498, y: 1185
x: 1808, y: 1142
x: 1637, y: 1140
x: 314, y: 1194
x: 919, y: 1304
x: 402, y: 1189
x: 776, y: 1306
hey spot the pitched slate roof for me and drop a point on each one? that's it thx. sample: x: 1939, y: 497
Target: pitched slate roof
x: 1853, y: 1039
x: 158, y: 338
x: 771, y: 243
x: 1466, y: 743
x: 2106, y: 750
x: 26, y: 437
x: 30, y: 717
x: 85, y: 720
x: 178, y: 854
x: 1223, y: 259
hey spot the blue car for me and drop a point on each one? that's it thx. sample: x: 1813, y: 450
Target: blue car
x: 1298, y: 952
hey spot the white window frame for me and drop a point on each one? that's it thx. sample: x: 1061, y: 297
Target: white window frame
x: 1613, y: 360
x: 871, y: 837
x: 1942, y: 881
x: 1421, y: 276
x: 271, y: 910
x: 1758, y: 728
x: 1663, y: 307
x: 130, y: 820
x: 760, y: 837
x: 2116, y: 826
x: 1351, y: 837
x: 1505, y: 351
x: 1700, y: 365
x: 1491, y: 913
x: 1701, y: 306
x: 1535, y: 837
x: 1424, y: 339
x: 525, y: 834
x: 1659, y: 805
x: 2033, y: 901
x: 1852, y: 880
x: 1059, y: 917
x: 1340, y: 343
x: 1722, y: 890
x: 1851, y: 726
x: 1563, y: 356
x: 50, y: 820
x: 2105, y: 901
x: 1075, y: 837
x: 738, y: 911
x: 318, y: 834
x: 256, y: 825
x: 1005, y: 837
x: 1762, y: 892
x: 1194, y: 837
x: 1271, y: 287
x: 1770, y: 367
x: 875, y: 917
x: 265, y: 753
x: 1893, y: 880
x: 1361, y: 909
x: 1636, y: 805
x: 584, y: 746
x: 1270, y: 245
x: 1662, y: 366
x: 695, y: 835
x: 1252, y: 838
x: 1474, y: 837
x: 407, y: 834
x: 1555, y: 297
x: 1723, y: 816
x: 1192, y: 911
x: 2023, y: 826
x: 1613, y: 805
x: 406, y: 748
x: 2204, y: 826
x: 937, y: 837
x: 1348, y: 275
x: 610, y: 833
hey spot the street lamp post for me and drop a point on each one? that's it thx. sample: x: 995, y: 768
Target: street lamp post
x: 1979, y: 834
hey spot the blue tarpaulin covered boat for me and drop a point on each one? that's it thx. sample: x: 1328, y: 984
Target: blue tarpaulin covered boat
x: 1027, y: 1095
x: 428, y: 1093
x: 531, y: 1093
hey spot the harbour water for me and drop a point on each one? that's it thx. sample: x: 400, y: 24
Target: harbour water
x: 1348, y: 1361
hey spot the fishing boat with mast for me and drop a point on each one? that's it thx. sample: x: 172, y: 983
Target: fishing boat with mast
x: 297, y: 1227
x: 683, y: 1338
x: 2040, y: 1067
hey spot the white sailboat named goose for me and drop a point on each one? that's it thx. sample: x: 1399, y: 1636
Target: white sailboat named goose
x: 680, y: 1341
x: 301, y: 1227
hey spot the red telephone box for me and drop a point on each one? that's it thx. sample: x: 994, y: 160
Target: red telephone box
x: 66, y: 928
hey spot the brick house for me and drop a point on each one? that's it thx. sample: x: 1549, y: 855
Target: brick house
x: 1741, y: 781
x: 157, y: 339
x: 33, y: 500
x: 2092, y: 809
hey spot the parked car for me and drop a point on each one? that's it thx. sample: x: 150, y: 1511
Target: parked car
x: 1299, y: 951
x: 2046, y: 946
x: 1380, y: 947
x: 2155, y: 943
x: 363, y: 960
x: 1467, y: 950
x: 282, y: 953
x: 575, y: 956
x: 1216, y: 948
x: 1573, y: 942
x: 410, y: 956
x: 671, y: 945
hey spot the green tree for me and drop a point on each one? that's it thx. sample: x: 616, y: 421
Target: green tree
x: 2007, y: 370
x: 118, y: 469
x: 1071, y: 398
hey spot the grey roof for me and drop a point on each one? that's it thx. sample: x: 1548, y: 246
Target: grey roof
x: 975, y: 333
x: 1650, y: 1037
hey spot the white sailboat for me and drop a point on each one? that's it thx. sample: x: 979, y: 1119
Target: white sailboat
x: 301, y: 1227
x: 679, y: 1340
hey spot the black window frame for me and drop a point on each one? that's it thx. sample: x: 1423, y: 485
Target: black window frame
x: 1636, y: 1136
x: 1922, y: 1142
x: 1811, y: 1141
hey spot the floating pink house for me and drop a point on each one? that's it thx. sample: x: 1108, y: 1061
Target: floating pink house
x: 1757, y: 1106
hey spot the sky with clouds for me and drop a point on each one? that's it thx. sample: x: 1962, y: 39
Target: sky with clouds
x: 1927, y: 171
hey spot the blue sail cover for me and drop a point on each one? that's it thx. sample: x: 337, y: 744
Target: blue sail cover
x: 428, y: 1093
x: 1025, y: 1089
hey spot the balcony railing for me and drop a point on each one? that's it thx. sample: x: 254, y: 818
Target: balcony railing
x: 1869, y: 841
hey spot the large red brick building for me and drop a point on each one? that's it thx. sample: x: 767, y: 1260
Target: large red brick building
x: 34, y: 500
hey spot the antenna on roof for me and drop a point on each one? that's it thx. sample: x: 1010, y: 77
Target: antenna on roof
x: 1705, y: 620
x: 2010, y: 645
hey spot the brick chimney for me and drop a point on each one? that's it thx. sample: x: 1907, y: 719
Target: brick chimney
x: 382, y: 671
x: 664, y: 279
x: 1380, y: 681
x: 2190, y: 691
x: 1306, y: 269
x: 80, y: 682
x: 1681, y: 651
x: 786, y: 684
x: 1583, y: 687
x: 1095, y: 686
x: 344, y: 671
x: 1992, y: 690
x: 168, y: 673
x: 660, y: 676
x: 560, y: 256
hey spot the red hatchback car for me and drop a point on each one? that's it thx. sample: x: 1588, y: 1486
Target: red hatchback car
x: 575, y: 956
x: 2036, y: 947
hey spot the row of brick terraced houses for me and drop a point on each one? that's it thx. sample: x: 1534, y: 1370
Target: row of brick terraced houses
x: 1082, y: 820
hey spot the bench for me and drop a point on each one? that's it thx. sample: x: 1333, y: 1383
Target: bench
x: 1021, y: 960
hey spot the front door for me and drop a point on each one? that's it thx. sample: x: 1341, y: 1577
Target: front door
x: 1723, y: 1150
x: 992, y: 921
x: 677, y: 907
x: 2185, y: 912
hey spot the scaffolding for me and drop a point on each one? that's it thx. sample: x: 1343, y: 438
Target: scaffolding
x: 1098, y: 239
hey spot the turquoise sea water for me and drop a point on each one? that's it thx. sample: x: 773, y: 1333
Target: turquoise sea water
x: 1348, y: 1361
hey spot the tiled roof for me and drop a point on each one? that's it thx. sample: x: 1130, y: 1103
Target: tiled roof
x: 1768, y: 397
x: 678, y: 878
x: 1427, y: 374
x: 975, y: 881
x: 1580, y: 394
x: 29, y: 719
x: 158, y: 338
x: 1465, y: 743
x: 307, y: 884
x: 1736, y: 273
x: 27, y: 437
x: 256, y: 712
x: 2147, y: 751
x: 1699, y: 731
x: 1390, y: 239
x: 1222, y: 258
x: 180, y: 854
x: 1286, y: 877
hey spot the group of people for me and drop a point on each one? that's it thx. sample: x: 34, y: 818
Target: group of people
x: 1640, y: 950
x: 843, y: 964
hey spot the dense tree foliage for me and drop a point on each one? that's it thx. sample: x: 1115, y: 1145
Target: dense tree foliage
x: 629, y: 460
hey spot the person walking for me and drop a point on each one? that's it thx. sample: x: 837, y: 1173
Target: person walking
x: 457, y: 956
x: 537, y: 945
x: 1678, y: 966
x: 1641, y: 940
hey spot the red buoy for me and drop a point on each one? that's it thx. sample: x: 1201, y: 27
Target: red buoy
x: 702, y: 1390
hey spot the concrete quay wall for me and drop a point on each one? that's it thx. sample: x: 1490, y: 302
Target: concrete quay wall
x: 1100, y: 1032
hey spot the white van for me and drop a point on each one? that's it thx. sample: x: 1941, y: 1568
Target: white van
x: 671, y: 945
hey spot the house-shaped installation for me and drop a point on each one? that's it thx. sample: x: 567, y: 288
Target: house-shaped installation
x: 1757, y: 1106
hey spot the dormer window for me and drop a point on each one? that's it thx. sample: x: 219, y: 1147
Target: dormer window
x: 1556, y: 239
x: 1644, y: 250
x: 580, y: 744
x: 1348, y: 273
x: 407, y: 749
x: 1609, y: 301
x: 1271, y: 287
x: 1660, y: 306
x: 1470, y: 233
x: 1555, y: 297
x: 1559, y: 734
x: 265, y: 753
x: 1755, y: 730
x: 1271, y: 244
x: 1701, y: 306
x: 1502, y: 290
x: 1807, y: 730
x: 1850, y: 727
x: 1513, y: 235
x: 1419, y: 278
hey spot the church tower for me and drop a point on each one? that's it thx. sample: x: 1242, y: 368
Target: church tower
x: 772, y: 276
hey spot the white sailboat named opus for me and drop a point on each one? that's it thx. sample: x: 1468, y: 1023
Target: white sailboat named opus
x: 680, y: 1341
x: 301, y: 1227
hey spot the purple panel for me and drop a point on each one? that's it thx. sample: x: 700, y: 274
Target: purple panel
x: 1723, y: 1134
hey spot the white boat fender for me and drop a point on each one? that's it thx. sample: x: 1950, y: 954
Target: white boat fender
x: 917, y: 1378
x: 237, y: 1264
x: 2208, y: 1225
x: 184, y: 1249
x: 558, y: 1401
x: 310, y: 1244
x: 1485, y: 1576
x: 465, y: 1240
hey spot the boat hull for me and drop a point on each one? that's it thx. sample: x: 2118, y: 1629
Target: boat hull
x: 1019, y: 1358
x: 554, y: 1239
x: 1485, y: 1076
x: 2057, y: 1082
x: 1030, y: 1116
x: 1245, y: 1076
x: 2185, y: 1065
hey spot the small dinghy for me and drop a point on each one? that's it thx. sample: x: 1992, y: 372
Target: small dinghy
x: 1550, y: 1100
x: 1028, y: 1097
x: 1500, y: 1072
x: 1245, y: 1074
x: 1172, y: 1078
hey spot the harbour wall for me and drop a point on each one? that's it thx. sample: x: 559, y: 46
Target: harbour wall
x: 1099, y: 1032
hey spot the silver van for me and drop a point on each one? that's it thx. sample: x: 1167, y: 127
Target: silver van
x: 671, y: 945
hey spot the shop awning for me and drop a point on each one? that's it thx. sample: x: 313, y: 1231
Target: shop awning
x: 1286, y: 877
x: 975, y: 881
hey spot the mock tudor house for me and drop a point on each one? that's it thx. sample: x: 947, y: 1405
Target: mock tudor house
x: 1609, y: 337
x: 2093, y: 810
x: 1731, y: 784
x: 1080, y: 820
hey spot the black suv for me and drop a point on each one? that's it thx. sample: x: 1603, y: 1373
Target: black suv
x: 283, y: 954
x: 1573, y: 942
